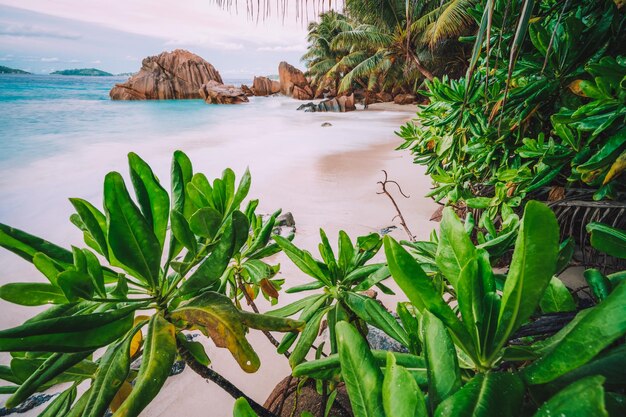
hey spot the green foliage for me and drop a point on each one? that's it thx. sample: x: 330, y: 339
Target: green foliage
x: 384, y: 46
x: 471, y: 366
x: 182, y: 279
x: 548, y: 112
x: 342, y: 278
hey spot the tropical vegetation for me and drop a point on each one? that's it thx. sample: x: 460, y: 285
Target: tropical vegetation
x: 542, y: 106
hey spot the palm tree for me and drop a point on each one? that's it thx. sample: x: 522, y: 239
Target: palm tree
x: 324, y: 62
x: 394, y: 34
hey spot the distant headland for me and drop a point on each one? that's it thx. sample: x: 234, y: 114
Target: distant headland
x: 7, y: 70
x: 86, y: 72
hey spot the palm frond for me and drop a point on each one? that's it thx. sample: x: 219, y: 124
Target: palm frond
x: 362, y: 39
x: 366, y: 67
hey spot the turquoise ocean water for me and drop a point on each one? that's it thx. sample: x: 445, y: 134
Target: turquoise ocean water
x: 43, y: 115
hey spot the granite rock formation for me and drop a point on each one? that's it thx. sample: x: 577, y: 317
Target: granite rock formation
x: 263, y: 86
x: 170, y: 75
x: 339, y: 104
x: 217, y: 93
x: 293, y: 83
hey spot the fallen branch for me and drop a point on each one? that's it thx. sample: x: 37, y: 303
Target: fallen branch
x: 225, y: 384
x: 383, y: 184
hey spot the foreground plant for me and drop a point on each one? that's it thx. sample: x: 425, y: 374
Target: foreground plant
x: 167, y: 283
x: 341, y: 278
x: 471, y: 363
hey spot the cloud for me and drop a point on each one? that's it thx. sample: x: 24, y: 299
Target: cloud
x: 283, y: 48
x: 7, y: 57
x: 97, y: 61
x: 28, y: 30
x: 51, y: 59
x: 206, y: 42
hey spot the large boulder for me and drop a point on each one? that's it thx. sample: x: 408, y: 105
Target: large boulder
x: 263, y: 86
x: 293, y: 83
x: 170, y: 75
x: 218, y: 93
x: 340, y: 104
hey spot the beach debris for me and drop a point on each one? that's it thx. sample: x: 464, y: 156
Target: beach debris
x: 293, y: 83
x: 386, y: 230
x: 340, y: 104
x: 170, y: 75
x: 218, y: 93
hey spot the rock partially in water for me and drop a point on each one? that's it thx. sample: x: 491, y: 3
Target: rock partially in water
x: 293, y: 83
x: 263, y: 86
x: 340, y: 104
x: 217, y: 93
x: 326, y: 124
x: 171, y: 75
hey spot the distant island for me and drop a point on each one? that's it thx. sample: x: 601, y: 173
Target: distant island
x: 7, y: 70
x: 87, y: 72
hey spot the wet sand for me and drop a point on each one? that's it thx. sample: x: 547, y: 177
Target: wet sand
x: 327, y: 177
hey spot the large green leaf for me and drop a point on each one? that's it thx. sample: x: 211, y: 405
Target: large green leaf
x: 444, y: 374
x: 130, y: 236
x: 95, y: 223
x: 595, y: 331
x: 373, y: 313
x: 181, y: 174
x: 303, y: 259
x: 216, y: 316
x: 583, y: 398
x: 456, y: 255
x: 182, y: 232
x: 61, y: 404
x: 151, y: 196
x: 269, y: 322
x: 532, y: 268
x: 26, y: 245
x: 242, y: 191
x: 362, y: 376
x: 608, y: 239
x: 159, y: 353
x: 206, y: 222
x: 52, y: 367
x: 113, y: 370
x: 611, y: 365
x: 76, y: 285
x: 212, y: 268
x: 491, y: 394
x: 457, y: 259
x: 310, y: 332
x: 68, y: 334
x: 401, y: 395
x: 557, y: 298
x: 32, y: 293
x: 422, y: 293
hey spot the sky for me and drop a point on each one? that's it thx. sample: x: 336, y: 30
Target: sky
x: 41, y: 36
